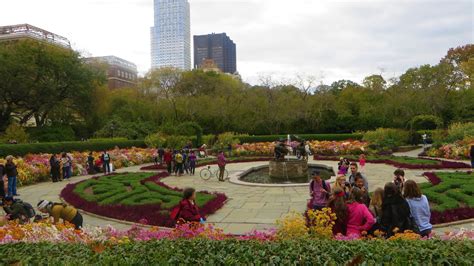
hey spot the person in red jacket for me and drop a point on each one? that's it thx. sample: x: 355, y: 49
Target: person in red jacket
x: 188, y: 210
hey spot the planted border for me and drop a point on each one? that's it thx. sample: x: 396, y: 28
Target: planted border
x: 440, y: 165
x: 153, y: 214
x: 449, y: 215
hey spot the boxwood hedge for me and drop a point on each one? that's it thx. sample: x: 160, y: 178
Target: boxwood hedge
x: 235, y: 252
x: 270, y: 138
x: 50, y: 147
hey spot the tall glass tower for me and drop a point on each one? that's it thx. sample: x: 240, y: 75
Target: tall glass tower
x: 171, y: 35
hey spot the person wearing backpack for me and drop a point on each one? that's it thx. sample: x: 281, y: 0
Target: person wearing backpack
x: 319, y: 191
x: 18, y: 210
x: 106, y: 162
x: 179, y: 158
x: 61, y: 211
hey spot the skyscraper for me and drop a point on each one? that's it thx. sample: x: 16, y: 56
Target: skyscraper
x: 171, y: 35
x: 218, y: 48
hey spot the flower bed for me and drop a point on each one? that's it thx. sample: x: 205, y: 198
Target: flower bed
x: 134, y: 197
x: 204, y: 162
x: 456, y: 151
x: 404, y: 162
x: 452, y: 195
x: 318, y: 147
x: 34, y: 168
x: 31, y: 244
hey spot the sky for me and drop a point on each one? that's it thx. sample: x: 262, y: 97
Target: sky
x: 328, y: 39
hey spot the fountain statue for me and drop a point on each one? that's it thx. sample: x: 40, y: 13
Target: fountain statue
x: 281, y: 168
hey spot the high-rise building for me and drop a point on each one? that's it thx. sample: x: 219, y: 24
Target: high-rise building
x: 218, y: 48
x: 171, y: 35
x: 27, y: 31
x: 120, y: 72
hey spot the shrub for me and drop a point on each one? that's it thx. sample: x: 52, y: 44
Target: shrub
x: 320, y: 137
x: 459, y: 131
x: 16, y: 132
x: 387, y: 138
x: 56, y: 147
x: 426, y: 122
x: 226, y: 139
x: 52, y: 133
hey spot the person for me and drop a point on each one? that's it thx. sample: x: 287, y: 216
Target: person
x: 106, y: 162
x: 343, y: 168
x: 319, y: 191
x: 11, y: 173
x: 221, y: 162
x: 342, y: 184
x: 471, y: 153
x: 354, y: 170
x: 3, y: 191
x: 62, y: 211
x: 359, y: 217
x: 424, y: 137
x: 302, y: 150
x: 307, y: 149
x: 399, y: 178
x: 192, y: 162
x: 419, y: 207
x: 55, y: 166
x: 161, y: 153
x: 376, y: 204
x: 362, y: 162
x: 395, y: 210
x: 338, y: 206
x: 342, y: 161
x: 155, y: 157
x: 229, y: 149
x: 179, y: 163
x: 168, y: 158
x: 186, y: 161
x: 188, y: 210
x: 90, y: 163
x: 18, y: 210
x: 359, y: 183
x: 66, y: 161
x: 203, y: 150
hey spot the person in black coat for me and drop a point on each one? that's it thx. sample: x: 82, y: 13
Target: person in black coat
x: 2, y: 185
x: 395, y: 211
x: 472, y: 156
x: 55, y: 166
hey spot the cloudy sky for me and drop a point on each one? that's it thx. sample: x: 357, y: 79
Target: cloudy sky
x: 328, y: 38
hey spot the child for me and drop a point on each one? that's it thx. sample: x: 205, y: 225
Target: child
x: 192, y: 162
x: 342, y: 184
x: 359, y: 183
x: 339, y: 207
x: 376, y: 204
x: 359, y: 217
x: 362, y: 162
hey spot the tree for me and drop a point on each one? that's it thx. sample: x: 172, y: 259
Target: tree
x: 39, y: 78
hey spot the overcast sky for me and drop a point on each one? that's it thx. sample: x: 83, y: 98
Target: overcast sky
x: 334, y: 39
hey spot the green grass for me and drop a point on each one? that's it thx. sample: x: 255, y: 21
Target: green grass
x: 455, y: 191
x: 127, y: 189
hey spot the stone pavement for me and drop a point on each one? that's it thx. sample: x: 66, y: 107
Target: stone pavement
x: 248, y: 207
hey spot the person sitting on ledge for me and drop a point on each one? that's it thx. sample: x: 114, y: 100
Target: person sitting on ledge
x: 187, y: 210
x: 319, y: 191
x: 61, y: 211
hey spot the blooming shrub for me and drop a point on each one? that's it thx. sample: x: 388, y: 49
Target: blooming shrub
x: 320, y: 223
x: 457, y: 150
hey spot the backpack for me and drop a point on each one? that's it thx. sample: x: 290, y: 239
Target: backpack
x: 30, y: 211
x: 324, y: 185
x: 179, y: 158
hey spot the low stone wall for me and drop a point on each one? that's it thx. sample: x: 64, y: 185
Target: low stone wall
x: 288, y: 169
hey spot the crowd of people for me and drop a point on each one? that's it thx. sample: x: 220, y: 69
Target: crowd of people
x: 397, y: 207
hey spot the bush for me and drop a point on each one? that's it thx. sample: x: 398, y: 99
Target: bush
x: 320, y: 137
x: 387, y: 138
x: 459, y: 131
x: 426, y: 122
x: 237, y: 252
x: 226, y: 139
x: 17, y: 133
x: 168, y: 141
x: 56, y: 147
x: 52, y: 134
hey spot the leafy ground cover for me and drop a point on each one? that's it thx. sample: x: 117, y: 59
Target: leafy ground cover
x: 135, y: 197
x: 451, y: 196
x: 403, y: 162
x: 211, y: 161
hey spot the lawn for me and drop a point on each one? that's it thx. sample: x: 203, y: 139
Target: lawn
x: 451, y: 196
x: 134, y: 197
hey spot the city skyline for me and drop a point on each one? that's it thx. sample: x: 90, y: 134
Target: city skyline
x: 340, y: 40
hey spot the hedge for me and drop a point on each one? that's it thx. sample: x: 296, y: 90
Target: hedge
x: 235, y: 252
x: 51, y: 147
x: 270, y: 138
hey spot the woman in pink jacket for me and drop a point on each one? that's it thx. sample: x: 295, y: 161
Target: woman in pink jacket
x: 360, y: 218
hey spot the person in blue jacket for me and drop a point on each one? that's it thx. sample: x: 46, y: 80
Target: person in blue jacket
x: 419, y: 207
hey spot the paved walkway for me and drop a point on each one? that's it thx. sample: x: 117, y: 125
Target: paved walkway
x: 248, y: 207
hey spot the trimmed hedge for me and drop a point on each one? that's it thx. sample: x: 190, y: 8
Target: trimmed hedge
x: 320, y: 137
x: 51, y: 147
x: 235, y: 252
